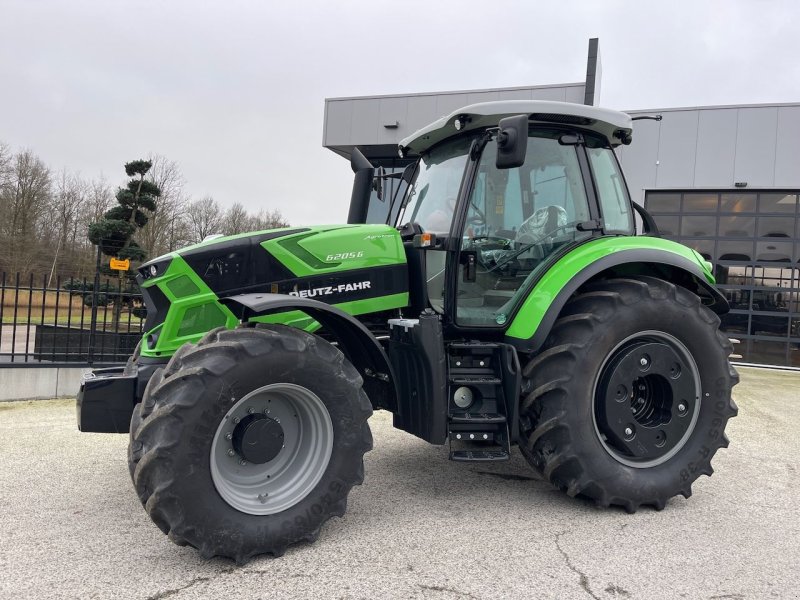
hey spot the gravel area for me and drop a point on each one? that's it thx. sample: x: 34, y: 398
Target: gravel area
x: 420, y: 527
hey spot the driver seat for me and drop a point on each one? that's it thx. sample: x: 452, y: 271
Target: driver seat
x: 543, y: 221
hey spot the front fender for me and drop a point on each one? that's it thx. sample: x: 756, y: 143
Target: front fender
x: 608, y: 257
x: 353, y: 338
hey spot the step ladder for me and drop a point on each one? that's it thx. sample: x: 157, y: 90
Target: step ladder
x: 478, y: 419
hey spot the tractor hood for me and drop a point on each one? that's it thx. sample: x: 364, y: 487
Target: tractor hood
x: 262, y: 260
x: 359, y: 268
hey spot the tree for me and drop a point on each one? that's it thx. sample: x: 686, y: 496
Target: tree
x: 236, y: 220
x: 204, y: 217
x: 163, y: 232
x: 113, y: 234
x: 25, y: 195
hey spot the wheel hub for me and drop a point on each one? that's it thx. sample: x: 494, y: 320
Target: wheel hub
x: 647, y: 399
x: 271, y: 448
x: 257, y: 438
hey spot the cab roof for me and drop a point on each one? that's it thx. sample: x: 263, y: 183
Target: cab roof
x: 615, y: 126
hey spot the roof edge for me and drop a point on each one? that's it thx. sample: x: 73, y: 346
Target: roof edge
x: 459, y: 92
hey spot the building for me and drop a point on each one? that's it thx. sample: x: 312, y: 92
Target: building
x: 724, y: 180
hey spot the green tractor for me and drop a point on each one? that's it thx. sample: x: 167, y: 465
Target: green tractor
x: 512, y: 297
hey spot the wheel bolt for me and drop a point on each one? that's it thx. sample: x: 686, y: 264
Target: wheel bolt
x: 681, y: 407
x: 242, y: 462
x: 251, y: 410
x: 643, y: 361
x: 628, y: 431
x: 228, y: 436
x: 236, y: 420
x: 231, y: 452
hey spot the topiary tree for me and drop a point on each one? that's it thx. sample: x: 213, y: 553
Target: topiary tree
x: 113, y: 234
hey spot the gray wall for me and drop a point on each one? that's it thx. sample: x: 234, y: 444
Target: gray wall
x: 363, y: 120
x: 30, y: 383
x: 715, y: 147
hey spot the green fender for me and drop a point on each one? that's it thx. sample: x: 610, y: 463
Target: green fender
x: 617, y: 256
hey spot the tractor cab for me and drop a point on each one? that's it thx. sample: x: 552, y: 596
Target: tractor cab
x: 499, y: 192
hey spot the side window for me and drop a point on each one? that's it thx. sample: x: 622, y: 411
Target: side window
x: 614, y: 202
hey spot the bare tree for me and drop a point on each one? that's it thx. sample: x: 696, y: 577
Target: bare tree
x: 62, y: 218
x: 236, y: 220
x: 6, y: 169
x: 159, y: 235
x: 204, y: 218
x: 23, y: 204
x: 267, y: 219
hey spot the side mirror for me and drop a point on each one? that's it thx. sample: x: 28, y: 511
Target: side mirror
x: 512, y: 142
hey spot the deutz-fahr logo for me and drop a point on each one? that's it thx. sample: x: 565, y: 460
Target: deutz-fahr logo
x: 331, y: 289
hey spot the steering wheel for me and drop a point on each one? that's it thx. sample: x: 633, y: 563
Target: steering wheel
x: 528, y: 245
x: 482, y: 241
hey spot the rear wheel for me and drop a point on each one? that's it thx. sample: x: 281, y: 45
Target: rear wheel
x: 631, y: 394
x: 254, y: 440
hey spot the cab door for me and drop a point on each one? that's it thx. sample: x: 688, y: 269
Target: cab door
x: 516, y: 221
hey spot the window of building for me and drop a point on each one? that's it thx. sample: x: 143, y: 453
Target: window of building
x: 753, y: 240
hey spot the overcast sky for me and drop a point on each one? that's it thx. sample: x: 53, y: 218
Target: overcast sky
x: 234, y: 91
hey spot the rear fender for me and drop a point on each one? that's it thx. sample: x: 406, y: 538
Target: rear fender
x: 353, y: 339
x: 532, y: 323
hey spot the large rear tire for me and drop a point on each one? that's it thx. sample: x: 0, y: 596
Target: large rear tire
x: 252, y: 441
x: 630, y: 395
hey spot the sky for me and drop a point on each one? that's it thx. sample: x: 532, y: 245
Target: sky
x: 234, y: 91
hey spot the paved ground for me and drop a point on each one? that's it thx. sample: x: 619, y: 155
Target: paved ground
x: 421, y: 527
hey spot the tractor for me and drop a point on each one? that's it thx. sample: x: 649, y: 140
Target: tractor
x: 514, y: 295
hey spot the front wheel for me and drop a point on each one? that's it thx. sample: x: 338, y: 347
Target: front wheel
x: 254, y: 439
x: 631, y: 394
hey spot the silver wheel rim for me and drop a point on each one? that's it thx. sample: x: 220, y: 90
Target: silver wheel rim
x: 283, y: 481
x: 682, y: 350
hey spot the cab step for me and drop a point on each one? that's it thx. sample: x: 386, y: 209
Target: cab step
x: 477, y: 418
x: 479, y: 455
x: 475, y: 380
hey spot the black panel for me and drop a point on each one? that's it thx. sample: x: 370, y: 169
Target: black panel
x: 346, y: 286
x: 157, y: 306
x: 418, y: 359
x: 238, y: 265
x: 105, y: 402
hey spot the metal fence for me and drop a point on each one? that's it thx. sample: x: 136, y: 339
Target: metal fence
x: 49, y: 320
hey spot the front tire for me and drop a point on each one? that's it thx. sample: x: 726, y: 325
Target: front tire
x: 630, y: 395
x: 252, y: 441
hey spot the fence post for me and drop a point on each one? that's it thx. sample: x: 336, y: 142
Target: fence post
x: 93, y: 324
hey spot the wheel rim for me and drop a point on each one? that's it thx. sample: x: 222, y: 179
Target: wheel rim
x: 271, y: 449
x: 646, y: 399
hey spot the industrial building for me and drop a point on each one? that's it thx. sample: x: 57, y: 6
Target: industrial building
x: 724, y: 180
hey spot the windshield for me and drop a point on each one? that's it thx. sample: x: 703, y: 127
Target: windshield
x: 431, y: 199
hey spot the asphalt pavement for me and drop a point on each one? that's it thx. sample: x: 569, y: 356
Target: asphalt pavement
x: 420, y: 527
